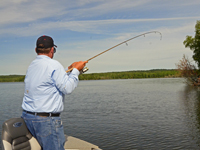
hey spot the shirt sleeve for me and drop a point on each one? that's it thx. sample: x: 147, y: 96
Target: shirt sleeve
x: 64, y: 82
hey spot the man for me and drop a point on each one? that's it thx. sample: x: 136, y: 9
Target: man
x: 46, y: 83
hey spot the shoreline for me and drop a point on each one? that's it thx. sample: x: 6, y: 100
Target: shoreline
x: 154, y: 73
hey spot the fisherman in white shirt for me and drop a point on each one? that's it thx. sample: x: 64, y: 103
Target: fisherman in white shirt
x: 46, y: 83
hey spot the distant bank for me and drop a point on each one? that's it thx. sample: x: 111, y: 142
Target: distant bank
x: 155, y: 73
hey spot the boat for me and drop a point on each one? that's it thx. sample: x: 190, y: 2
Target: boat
x: 15, y: 135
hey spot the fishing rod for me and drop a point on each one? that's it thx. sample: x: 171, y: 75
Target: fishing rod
x: 86, y: 69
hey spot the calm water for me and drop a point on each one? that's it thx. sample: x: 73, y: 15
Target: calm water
x: 124, y: 114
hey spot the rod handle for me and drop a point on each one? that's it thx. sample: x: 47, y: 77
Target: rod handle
x: 82, y: 71
x: 69, y: 70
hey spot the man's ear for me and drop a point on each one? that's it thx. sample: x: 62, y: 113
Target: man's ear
x: 52, y: 50
x: 36, y: 50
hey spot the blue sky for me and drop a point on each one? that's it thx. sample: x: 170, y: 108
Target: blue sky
x: 84, y: 28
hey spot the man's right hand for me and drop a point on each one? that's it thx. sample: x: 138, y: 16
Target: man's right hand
x: 78, y: 65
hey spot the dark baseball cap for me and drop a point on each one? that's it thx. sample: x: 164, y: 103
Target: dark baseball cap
x: 45, y: 42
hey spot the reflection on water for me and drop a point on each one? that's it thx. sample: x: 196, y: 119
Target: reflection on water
x: 191, y: 104
x: 124, y: 114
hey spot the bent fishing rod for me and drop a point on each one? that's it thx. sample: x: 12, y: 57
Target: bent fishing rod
x: 86, y: 69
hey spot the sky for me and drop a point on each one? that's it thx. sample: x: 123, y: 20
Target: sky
x: 84, y: 28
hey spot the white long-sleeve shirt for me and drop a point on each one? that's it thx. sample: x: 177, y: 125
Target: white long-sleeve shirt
x: 46, y: 83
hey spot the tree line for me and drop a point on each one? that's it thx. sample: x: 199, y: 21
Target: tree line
x: 131, y: 75
x: 12, y: 78
x: 160, y: 73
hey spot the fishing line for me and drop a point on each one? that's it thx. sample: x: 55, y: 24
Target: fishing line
x: 85, y: 69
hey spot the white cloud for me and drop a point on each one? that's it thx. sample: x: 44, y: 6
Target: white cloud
x: 22, y: 11
x: 94, y: 26
x: 147, y: 52
x: 27, y: 11
x: 141, y: 54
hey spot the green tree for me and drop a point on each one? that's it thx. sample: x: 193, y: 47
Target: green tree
x: 194, y: 43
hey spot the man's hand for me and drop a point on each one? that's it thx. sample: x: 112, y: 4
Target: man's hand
x: 78, y: 65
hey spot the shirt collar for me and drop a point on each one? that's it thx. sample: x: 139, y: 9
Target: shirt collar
x: 42, y: 57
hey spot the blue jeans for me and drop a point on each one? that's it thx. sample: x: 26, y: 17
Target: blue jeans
x: 47, y: 130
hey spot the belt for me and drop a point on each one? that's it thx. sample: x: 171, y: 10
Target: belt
x: 43, y: 114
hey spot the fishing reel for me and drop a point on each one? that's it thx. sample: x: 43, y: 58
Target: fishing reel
x: 85, y: 69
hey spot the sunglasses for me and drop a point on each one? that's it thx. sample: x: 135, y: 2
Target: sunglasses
x: 54, y: 50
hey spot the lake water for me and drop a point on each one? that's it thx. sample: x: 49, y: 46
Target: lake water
x: 124, y: 114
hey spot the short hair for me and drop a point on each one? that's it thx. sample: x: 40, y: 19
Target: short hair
x: 43, y: 50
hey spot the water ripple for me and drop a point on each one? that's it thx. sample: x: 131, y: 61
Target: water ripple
x: 125, y: 114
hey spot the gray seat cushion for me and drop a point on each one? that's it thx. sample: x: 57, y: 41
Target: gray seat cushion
x: 16, y: 136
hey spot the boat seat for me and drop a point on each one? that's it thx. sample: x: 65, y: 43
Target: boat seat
x: 16, y: 136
